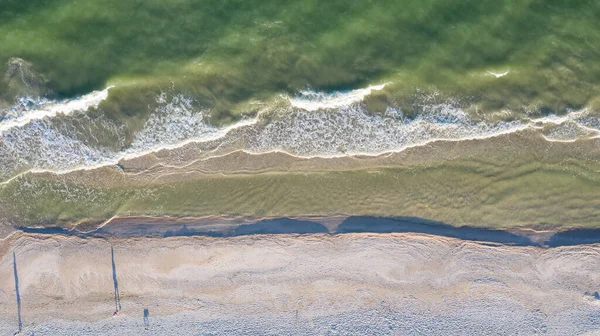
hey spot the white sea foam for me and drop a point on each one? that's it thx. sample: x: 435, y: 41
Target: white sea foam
x: 28, y: 109
x: 173, y: 121
x: 498, y: 74
x: 55, y: 145
x: 176, y: 123
x: 352, y: 131
x: 567, y: 132
x: 307, y: 131
x: 44, y: 144
x: 312, y: 101
x: 314, y: 125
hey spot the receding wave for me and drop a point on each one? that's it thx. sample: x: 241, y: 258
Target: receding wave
x: 313, y: 124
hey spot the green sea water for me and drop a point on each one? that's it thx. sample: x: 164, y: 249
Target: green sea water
x: 242, y: 75
x: 533, y: 195
x: 230, y: 52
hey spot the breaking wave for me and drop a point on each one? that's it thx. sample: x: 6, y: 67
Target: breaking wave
x: 313, y: 101
x: 350, y: 130
x: 30, y: 109
x: 312, y: 124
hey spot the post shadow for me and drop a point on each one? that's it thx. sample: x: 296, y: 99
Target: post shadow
x: 146, y: 318
x: 17, y: 291
x: 115, y: 281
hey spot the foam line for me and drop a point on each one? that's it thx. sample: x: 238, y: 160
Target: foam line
x: 22, y: 115
x: 318, y: 125
x: 312, y: 101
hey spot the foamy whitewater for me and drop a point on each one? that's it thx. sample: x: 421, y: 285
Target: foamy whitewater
x: 29, y: 109
x: 61, y: 137
x: 313, y: 101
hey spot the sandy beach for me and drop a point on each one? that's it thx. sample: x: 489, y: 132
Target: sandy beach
x: 298, y: 284
x: 240, y: 167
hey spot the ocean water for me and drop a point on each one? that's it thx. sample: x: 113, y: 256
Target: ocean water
x: 220, y: 63
x: 89, y: 85
x: 238, y: 49
x: 472, y: 115
x: 63, y: 136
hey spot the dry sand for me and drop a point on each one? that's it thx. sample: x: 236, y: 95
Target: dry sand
x: 298, y: 285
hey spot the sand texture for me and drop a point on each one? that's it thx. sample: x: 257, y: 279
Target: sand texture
x: 316, y: 284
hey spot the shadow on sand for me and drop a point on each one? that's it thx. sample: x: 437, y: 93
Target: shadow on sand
x: 280, y: 226
x: 353, y: 224
x: 364, y: 224
x: 574, y: 237
x: 265, y: 226
x: 115, y: 281
x: 20, y: 324
x: 419, y: 225
x: 146, y: 318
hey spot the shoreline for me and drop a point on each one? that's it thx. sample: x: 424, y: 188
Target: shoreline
x: 129, y: 162
x: 460, y: 183
x: 236, y: 226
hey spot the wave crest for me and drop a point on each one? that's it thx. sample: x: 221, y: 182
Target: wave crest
x: 323, y: 125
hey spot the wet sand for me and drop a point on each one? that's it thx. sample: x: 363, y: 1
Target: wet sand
x: 358, y: 283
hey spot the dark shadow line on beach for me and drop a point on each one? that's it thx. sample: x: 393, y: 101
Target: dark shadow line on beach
x: 51, y: 230
x: 265, y: 226
x: 364, y: 224
x: 185, y: 231
x: 353, y: 224
x: 280, y: 226
x: 359, y: 224
x: 574, y: 237
x: 20, y: 324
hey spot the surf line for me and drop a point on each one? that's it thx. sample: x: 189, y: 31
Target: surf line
x: 82, y: 103
x: 310, y: 101
x: 132, y: 154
